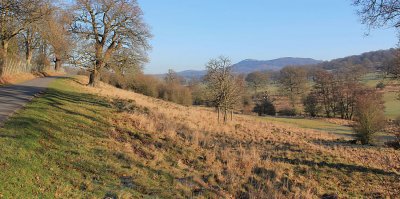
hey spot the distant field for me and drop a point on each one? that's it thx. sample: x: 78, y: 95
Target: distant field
x: 390, y: 96
x: 324, y: 126
x: 315, y: 124
x: 392, y: 104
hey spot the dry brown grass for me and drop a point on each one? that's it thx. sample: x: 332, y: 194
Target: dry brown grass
x: 250, y: 158
x: 13, y: 79
x: 22, y: 77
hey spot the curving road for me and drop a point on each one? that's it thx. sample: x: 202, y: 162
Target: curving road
x: 14, y: 97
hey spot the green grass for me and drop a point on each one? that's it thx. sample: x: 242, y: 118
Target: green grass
x: 392, y: 104
x: 315, y: 124
x: 59, y: 146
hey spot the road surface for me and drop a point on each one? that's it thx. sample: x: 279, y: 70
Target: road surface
x: 14, y: 97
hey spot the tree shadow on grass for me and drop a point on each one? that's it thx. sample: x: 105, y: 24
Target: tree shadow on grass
x: 22, y: 125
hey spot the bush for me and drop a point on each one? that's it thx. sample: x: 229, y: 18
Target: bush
x: 380, y: 85
x: 146, y: 85
x: 83, y: 72
x: 370, y: 117
x: 265, y: 107
x: 42, y: 62
x: 175, y: 93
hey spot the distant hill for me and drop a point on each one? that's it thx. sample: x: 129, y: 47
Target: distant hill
x: 370, y: 60
x: 251, y: 65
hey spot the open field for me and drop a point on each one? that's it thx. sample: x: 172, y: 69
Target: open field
x: 81, y: 142
x: 390, y: 93
x: 320, y: 124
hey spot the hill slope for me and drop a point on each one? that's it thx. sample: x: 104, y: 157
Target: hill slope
x: 250, y: 65
x: 370, y: 60
x: 81, y: 142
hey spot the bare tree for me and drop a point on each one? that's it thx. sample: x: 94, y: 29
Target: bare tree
x: 16, y: 16
x: 378, y: 13
x: 173, y: 78
x: 257, y: 79
x: 224, y: 87
x: 293, y: 82
x: 111, y: 27
x: 370, y: 117
x: 54, y: 29
x: 326, y: 87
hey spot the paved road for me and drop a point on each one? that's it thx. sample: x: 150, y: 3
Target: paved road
x: 14, y: 97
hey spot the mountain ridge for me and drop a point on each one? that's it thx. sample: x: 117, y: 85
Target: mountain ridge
x: 252, y: 65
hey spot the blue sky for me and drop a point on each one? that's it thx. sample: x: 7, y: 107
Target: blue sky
x: 187, y: 33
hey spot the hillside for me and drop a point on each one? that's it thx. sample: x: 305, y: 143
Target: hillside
x: 250, y: 65
x: 81, y: 142
x: 370, y: 60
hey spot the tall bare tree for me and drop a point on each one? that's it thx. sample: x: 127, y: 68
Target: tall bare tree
x: 257, y: 79
x: 111, y: 27
x: 225, y: 88
x: 54, y: 30
x: 293, y: 82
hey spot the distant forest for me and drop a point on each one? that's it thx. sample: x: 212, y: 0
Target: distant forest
x: 374, y: 60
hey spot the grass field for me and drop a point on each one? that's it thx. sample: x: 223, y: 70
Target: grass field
x: 390, y: 95
x: 81, y: 142
x: 314, y: 124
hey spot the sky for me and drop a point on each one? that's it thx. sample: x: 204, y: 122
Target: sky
x: 188, y: 33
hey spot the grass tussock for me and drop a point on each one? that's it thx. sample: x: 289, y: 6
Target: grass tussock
x: 77, y: 141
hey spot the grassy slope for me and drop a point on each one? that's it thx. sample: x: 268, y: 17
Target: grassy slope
x: 59, y: 147
x: 70, y: 143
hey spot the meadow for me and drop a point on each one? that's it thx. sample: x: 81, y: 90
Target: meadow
x: 76, y: 141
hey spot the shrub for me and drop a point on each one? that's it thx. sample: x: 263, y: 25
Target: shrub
x: 380, y: 85
x: 370, y: 117
x: 145, y: 84
x: 42, y: 62
x: 83, y: 72
x: 175, y: 93
x: 265, y: 107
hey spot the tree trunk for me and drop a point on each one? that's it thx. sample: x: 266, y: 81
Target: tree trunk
x: 94, y: 75
x: 225, y: 116
x: 94, y: 78
x: 28, y: 57
x: 4, y: 45
x: 57, y: 64
x: 218, y: 113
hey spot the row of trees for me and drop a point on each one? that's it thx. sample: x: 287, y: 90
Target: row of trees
x: 92, y: 34
x: 33, y: 29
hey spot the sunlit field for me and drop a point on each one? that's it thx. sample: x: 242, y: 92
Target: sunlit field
x: 119, y: 143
